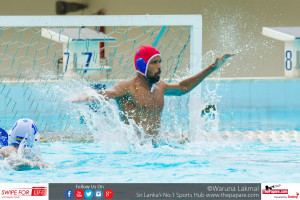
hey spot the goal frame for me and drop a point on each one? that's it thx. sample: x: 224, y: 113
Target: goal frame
x: 194, y: 21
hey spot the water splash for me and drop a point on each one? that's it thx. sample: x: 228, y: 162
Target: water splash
x: 101, y: 120
x: 233, y: 29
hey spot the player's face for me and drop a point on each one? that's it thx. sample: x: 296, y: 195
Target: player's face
x: 154, y: 69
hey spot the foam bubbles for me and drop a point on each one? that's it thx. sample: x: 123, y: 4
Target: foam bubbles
x: 263, y: 136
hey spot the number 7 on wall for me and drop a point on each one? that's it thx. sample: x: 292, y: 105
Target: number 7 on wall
x: 89, y: 57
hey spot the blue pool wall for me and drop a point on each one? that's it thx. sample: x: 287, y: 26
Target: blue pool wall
x: 239, y: 103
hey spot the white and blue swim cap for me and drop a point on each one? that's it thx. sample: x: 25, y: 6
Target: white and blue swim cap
x: 23, y: 129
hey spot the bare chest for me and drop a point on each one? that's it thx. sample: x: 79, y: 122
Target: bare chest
x: 144, y: 100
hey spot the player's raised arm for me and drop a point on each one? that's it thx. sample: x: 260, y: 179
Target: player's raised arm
x: 118, y: 90
x: 185, y: 86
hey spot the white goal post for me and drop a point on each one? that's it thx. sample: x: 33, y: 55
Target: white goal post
x: 193, y: 21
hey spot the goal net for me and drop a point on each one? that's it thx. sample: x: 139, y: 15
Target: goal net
x: 41, y: 65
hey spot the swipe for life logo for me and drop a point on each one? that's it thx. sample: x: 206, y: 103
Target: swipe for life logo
x: 17, y: 192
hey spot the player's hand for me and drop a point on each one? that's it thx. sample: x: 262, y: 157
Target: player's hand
x: 84, y: 98
x: 220, y: 61
x: 41, y: 165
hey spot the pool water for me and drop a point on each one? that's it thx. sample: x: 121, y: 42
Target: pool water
x: 252, y: 137
x: 226, y: 161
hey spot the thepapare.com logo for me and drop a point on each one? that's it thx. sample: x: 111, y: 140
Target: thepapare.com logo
x: 269, y: 189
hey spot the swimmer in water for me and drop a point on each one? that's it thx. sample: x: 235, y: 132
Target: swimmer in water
x: 141, y: 98
x: 24, y: 134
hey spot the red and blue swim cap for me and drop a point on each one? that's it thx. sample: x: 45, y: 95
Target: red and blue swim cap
x: 142, y: 57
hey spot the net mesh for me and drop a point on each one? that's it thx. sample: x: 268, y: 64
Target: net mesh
x: 33, y: 67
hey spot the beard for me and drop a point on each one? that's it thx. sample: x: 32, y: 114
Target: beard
x: 154, y: 79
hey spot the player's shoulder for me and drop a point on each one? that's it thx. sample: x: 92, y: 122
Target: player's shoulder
x: 130, y: 80
x: 124, y: 83
x: 161, y: 84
